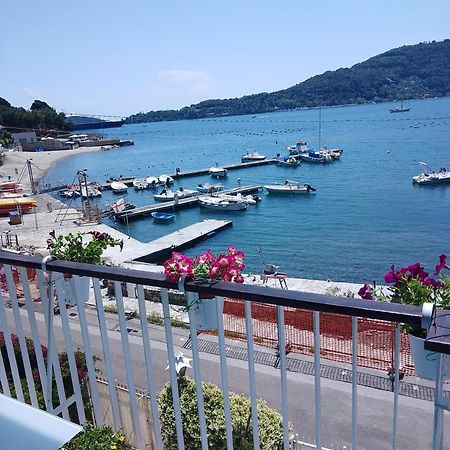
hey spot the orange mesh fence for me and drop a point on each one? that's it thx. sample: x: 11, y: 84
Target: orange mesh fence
x: 375, y: 337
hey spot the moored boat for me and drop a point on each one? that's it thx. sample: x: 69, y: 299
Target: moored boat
x: 140, y: 184
x: 299, y: 147
x: 290, y: 187
x: 204, y: 188
x: 167, y: 195
x: 118, y: 187
x: 218, y: 172
x: 162, y: 217
x: 288, y: 162
x: 254, y: 156
x: 313, y: 157
x: 218, y: 204
x: 91, y: 190
x: 10, y: 186
x: 334, y: 153
x: 165, y: 179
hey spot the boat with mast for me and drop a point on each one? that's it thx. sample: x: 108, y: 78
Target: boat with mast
x: 399, y: 110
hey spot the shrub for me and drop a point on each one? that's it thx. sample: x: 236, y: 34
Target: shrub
x: 101, y: 438
x: 270, y: 421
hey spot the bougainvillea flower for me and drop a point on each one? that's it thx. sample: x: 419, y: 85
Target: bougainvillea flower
x: 366, y: 292
x: 441, y: 265
x: 392, y: 276
x: 428, y: 281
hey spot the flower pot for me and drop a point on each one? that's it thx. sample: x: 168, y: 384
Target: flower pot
x: 205, y: 312
x: 81, y: 285
x: 426, y: 361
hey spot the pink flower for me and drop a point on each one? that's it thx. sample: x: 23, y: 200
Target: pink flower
x: 231, y: 250
x: 227, y: 277
x: 205, y: 258
x: 392, y: 276
x: 441, y: 265
x: 238, y: 279
x: 223, y: 261
x: 366, y: 292
x: 185, y: 265
x: 214, y: 271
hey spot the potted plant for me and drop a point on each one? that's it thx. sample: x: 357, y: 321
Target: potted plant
x: 206, y: 268
x: 82, y: 248
x: 412, y: 285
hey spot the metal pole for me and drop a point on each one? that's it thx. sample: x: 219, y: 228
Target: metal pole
x: 30, y: 174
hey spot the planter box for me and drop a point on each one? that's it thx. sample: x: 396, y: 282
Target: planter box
x: 425, y: 361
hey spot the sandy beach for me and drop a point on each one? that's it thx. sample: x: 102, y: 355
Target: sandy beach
x: 14, y: 162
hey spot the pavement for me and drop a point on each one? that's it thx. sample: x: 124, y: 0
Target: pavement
x: 375, y: 406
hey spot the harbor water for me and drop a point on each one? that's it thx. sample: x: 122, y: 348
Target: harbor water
x: 365, y: 215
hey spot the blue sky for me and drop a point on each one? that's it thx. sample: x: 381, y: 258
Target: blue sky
x: 117, y: 57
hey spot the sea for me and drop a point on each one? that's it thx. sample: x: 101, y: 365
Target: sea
x: 365, y: 215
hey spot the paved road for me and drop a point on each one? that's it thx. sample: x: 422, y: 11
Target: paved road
x: 374, y: 406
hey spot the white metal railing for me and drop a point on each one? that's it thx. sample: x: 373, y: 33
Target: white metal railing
x: 37, y: 322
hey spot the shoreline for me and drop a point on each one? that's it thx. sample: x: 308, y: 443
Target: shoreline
x: 14, y: 163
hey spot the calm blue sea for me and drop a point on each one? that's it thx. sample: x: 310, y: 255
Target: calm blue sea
x: 365, y: 215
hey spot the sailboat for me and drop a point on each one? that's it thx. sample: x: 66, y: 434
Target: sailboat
x: 401, y: 109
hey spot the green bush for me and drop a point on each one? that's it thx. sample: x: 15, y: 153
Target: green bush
x: 101, y: 438
x: 270, y: 421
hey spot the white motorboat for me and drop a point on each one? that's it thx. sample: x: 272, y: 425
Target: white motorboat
x: 69, y: 193
x: 166, y: 195
x: 140, y: 184
x: 289, y: 162
x: 429, y: 176
x: 165, y: 179
x: 152, y: 181
x: 290, y: 187
x: 118, y: 187
x: 255, y: 156
x: 204, y: 188
x: 237, y: 198
x: 218, y: 172
x: 334, y: 153
x: 218, y: 204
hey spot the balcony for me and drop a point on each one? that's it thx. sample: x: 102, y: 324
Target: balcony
x: 86, y: 365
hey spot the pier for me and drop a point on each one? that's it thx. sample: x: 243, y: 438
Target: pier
x: 184, y: 203
x: 193, y: 173
x: 162, y: 248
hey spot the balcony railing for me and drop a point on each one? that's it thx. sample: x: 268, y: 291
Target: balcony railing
x: 134, y: 359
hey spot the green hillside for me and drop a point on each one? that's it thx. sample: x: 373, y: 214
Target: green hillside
x: 408, y: 72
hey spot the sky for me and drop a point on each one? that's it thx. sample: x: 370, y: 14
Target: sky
x: 121, y: 57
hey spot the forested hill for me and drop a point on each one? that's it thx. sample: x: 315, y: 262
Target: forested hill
x: 412, y: 71
x: 40, y: 116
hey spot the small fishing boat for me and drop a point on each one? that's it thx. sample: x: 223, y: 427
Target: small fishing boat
x: 218, y: 204
x: 162, y: 217
x: 205, y: 188
x: 21, y: 204
x: 313, y: 157
x: 152, y: 182
x: 218, y: 172
x: 430, y: 177
x: 118, y: 207
x: 237, y: 198
x: 118, y: 187
x: 140, y: 184
x: 290, y: 187
x: 299, y: 147
x: 166, y: 195
x: 288, y: 162
x: 255, y: 156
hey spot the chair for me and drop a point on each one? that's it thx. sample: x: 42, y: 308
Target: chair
x: 270, y: 273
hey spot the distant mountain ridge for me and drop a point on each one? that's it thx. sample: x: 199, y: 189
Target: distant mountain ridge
x: 408, y: 72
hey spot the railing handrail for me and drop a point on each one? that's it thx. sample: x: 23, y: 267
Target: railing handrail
x: 393, y: 312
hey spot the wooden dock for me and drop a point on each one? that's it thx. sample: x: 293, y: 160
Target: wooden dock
x: 184, y: 203
x: 193, y: 173
x: 161, y: 249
